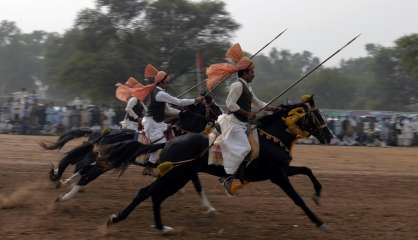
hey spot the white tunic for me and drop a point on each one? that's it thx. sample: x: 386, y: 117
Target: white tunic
x: 126, y: 123
x: 235, y: 145
x: 155, y: 130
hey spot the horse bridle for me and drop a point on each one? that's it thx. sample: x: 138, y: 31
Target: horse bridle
x: 313, y: 121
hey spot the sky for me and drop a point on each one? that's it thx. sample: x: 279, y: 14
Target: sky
x: 320, y: 27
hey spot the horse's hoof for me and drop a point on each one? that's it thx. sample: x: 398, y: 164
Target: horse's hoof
x: 316, y: 199
x: 211, y: 210
x: 51, y: 172
x: 111, y: 220
x: 324, y: 228
x: 165, y: 229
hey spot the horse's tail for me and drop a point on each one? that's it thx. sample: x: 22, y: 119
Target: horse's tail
x: 66, y: 137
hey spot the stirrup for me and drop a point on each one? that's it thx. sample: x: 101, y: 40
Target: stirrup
x: 227, y: 184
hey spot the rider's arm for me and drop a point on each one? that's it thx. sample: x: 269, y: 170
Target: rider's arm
x: 170, y: 111
x: 167, y: 98
x: 129, y: 107
x: 235, y: 91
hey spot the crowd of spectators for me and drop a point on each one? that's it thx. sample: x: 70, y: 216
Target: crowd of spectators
x: 24, y: 113
x: 372, y: 128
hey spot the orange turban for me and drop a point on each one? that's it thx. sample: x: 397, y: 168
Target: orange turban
x: 123, y: 91
x: 150, y: 71
x: 218, y: 72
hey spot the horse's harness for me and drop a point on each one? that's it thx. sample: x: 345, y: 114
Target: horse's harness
x: 274, y: 139
x: 295, y: 116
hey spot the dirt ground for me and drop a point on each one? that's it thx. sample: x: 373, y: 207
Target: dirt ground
x: 368, y: 193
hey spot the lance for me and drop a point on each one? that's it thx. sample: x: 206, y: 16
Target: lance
x: 252, y: 56
x: 307, y: 74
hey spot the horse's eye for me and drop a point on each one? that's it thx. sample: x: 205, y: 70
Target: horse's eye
x: 300, y: 111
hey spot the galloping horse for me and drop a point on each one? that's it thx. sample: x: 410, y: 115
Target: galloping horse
x: 277, y: 133
x: 191, y: 119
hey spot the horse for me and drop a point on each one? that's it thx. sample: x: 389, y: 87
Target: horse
x: 194, y: 118
x: 277, y: 134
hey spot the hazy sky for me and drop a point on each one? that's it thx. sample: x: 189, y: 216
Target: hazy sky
x: 317, y: 26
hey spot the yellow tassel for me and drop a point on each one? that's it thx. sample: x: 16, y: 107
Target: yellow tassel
x: 164, y: 168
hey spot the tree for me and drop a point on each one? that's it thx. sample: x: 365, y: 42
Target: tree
x: 21, y: 57
x: 108, y: 44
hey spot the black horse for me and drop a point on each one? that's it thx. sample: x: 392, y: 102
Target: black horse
x: 277, y: 133
x: 194, y: 118
x: 82, y: 155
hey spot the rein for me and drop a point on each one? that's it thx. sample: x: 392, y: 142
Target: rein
x: 165, y: 167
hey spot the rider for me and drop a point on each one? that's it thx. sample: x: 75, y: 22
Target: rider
x: 156, y: 100
x: 242, y: 106
x: 134, y: 109
x: 134, y: 114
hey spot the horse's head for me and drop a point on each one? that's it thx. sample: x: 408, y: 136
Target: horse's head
x: 196, y: 117
x: 212, y: 110
x: 304, y: 119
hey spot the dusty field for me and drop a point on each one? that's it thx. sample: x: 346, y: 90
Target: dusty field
x: 369, y: 193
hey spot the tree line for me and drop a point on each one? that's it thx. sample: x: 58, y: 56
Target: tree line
x: 116, y: 39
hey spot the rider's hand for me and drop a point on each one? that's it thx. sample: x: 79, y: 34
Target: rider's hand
x: 199, y: 99
x: 251, y: 115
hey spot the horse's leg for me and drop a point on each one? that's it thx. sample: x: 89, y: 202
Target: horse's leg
x: 158, y: 197
x: 280, y: 178
x: 56, y: 173
x: 156, y: 208
x: 86, y: 177
x: 205, y: 201
x: 64, y: 182
x: 90, y: 173
x: 292, y: 170
x: 74, y: 156
x: 160, y: 189
x: 69, y: 194
x: 63, y: 164
x: 143, y: 194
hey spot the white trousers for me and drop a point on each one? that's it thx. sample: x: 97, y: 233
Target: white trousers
x: 234, y: 144
x: 153, y: 131
x: 127, y: 124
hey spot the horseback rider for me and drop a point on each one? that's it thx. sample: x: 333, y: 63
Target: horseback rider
x: 155, y: 100
x: 134, y: 109
x: 134, y: 113
x: 242, y: 105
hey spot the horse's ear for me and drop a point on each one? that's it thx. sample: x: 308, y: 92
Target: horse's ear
x: 309, y: 98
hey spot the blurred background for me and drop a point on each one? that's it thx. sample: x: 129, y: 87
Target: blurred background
x: 60, y: 60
